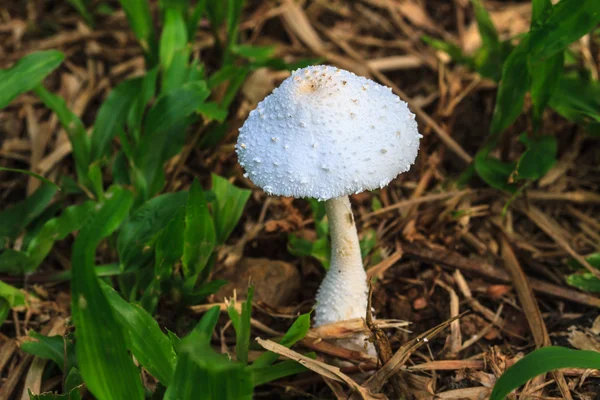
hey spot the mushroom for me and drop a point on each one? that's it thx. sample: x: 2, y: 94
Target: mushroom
x: 327, y: 133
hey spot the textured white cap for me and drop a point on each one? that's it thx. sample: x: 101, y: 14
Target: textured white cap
x: 326, y: 133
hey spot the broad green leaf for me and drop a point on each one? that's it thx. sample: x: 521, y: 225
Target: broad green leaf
x: 176, y: 73
x: 199, y: 237
x: 112, y: 115
x: 71, y: 219
x: 104, y: 361
x: 169, y: 246
x: 495, y: 172
x: 74, y: 379
x: 196, y: 295
x: 136, y: 112
x: 577, y: 99
x: 73, y: 126
x: 150, y: 346
x: 539, y: 157
x: 297, y: 332
x: 185, y: 383
x: 540, y: 10
x: 14, y: 219
x: 511, y: 93
x: 545, y: 77
x: 211, y: 111
x: 263, y: 375
x: 541, y: 361
x: 27, y: 73
x: 51, y: 348
x: 173, y: 106
x: 585, y: 281
x: 144, y: 225
x: 173, y: 37
x: 228, y: 206
x: 593, y: 259
x: 487, y: 30
x: 568, y: 21
x: 140, y: 19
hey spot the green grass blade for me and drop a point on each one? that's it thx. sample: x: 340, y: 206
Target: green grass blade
x: 540, y: 10
x: 145, y: 340
x: 81, y: 7
x: 297, y: 332
x: 228, y: 206
x: 541, y: 361
x: 539, y: 157
x: 511, y: 93
x: 26, y: 172
x: 487, y: 30
x: 27, y: 73
x: 199, y: 237
x: 194, y: 18
x: 71, y: 219
x: 9, y: 297
x: 173, y: 37
x: 106, y: 366
x: 51, y: 348
x: 112, y: 115
x: 545, y: 77
x: 263, y: 375
x: 169, y: 246
x: 74, y: 128
x: 137, y: 234
x: 17, y: 217
x: 140, y: 19
x: 568, y: 21
x: 577, y: 99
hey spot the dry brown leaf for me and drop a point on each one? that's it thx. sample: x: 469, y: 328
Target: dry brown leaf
x: 325, y: 370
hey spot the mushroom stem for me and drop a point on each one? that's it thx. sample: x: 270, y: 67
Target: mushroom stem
x: 343, y: 293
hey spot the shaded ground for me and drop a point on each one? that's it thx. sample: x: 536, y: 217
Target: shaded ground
x: 440, y: 250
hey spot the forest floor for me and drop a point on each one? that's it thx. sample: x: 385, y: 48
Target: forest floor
x: 440, y: 250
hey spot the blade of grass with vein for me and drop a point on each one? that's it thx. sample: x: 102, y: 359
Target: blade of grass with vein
x: 145, y: 340
x: 105, y: 363
x: 541, y: 361
x: 27, y: 73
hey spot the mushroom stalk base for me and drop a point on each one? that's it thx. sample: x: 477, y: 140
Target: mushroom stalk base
x: 343, y: 293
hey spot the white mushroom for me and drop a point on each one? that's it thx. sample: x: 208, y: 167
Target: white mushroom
x: 338, y: 134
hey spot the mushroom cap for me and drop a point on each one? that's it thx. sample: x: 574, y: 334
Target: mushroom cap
x: 326, y: 133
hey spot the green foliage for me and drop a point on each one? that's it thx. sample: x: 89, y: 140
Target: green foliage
x: 541, y: 361
x: 320, y: 249
x: 535, y: 65
x: 143, y: 336
x: 140, y: 19
x: 27, y: 73
x: 586, y: 281
x: 52, y: 348
x: 105, y: 365
x: 74, y: 394
x: 228, y: 206
x: 9, y: 297
x: 199, y: 236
